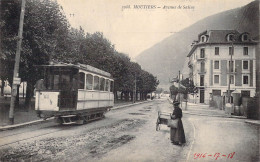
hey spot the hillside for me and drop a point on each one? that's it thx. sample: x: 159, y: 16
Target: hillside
x: 167, y: 57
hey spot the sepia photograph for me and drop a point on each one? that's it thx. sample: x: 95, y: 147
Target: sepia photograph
x: 129, y: 80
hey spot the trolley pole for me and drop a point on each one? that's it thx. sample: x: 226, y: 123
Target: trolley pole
x: 16, y: 80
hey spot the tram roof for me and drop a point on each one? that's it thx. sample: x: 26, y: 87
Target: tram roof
x: 81, y: 67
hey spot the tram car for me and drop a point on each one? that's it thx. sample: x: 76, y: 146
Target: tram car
x: 73, y: 94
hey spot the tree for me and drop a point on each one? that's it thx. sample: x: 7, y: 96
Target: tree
x: 186, y: 87
x: 48, y: 36
x: 44, y: 29
x: 190, y: 87
x: 173, y: 91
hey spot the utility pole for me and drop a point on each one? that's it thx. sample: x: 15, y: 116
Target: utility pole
x: 179, y: 97
x: 229, y: 75
x: 16, y: 80
x: 134, y: 93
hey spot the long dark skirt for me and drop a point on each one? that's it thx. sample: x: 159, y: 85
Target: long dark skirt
x: 177, y: 134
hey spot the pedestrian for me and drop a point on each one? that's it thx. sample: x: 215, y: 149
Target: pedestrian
x: 177, y: 134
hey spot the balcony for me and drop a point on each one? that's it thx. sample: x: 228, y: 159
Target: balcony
x: 202, y: 71
x: 233, y: 71
x: 202, y: 85
x: 201, y: 59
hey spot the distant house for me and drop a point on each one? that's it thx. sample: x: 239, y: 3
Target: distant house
x: 210, y: 59
x: 7, y: 89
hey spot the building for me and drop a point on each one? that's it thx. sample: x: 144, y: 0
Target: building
x: 218, y: 55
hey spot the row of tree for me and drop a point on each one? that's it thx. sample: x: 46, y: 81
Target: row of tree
x: 47, y: 36
x: 186, y: 87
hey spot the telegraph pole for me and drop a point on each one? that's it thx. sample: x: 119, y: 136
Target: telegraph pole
x: 134, y: 93
x: 229, y: 75
x: 16, y: 80
x: 179, y: 97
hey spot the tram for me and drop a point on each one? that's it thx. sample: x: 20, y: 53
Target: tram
x: 73, y: 94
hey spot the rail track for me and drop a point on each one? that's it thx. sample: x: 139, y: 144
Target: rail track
x: 12, y: 138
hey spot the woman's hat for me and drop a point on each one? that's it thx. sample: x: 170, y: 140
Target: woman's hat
x: 176, y: 103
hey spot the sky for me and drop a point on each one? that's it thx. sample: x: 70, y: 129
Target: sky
x: 147, y: 22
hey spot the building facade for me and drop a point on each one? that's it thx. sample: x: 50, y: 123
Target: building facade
x: 220, y: 56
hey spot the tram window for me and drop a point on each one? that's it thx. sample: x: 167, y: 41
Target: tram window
x: 65, y: 82
x: 96, y: 83
x: 49, y: 82
x: 107, y: 85
x: 74, y: 82
x: 111, y: 86
x: 56, y: 82
x: 81, y: 81
x: 102, y: 84
x: 89, y: 83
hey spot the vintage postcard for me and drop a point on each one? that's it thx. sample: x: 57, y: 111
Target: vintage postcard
x: 129, y: 80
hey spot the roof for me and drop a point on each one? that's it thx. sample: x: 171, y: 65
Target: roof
x: 81, y: 67
x: 220, y: 37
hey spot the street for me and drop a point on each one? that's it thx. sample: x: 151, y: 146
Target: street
x: 129, y: 134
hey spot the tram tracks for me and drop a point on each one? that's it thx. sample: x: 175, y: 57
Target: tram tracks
x: 23, y: 136
x: 18, y: 137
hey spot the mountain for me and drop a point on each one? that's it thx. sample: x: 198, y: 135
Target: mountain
x: 167, y: 57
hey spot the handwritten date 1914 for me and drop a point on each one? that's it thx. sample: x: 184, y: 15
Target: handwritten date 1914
x: 216, y: 156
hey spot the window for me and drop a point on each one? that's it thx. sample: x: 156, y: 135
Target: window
x: 216, y: 79
x: 232, y: 80
x: 216, y: 50
x: 81, y: 82
x: 56, y: 82
x: 96, y: 83
x: 231, y: 67
x: 245, y: 37
x: 111, y: 86
x: 216, y: 64
x: 107, y: 85
x: 245, y: 79
x: 202, y: 80
x: 89, y: 82
x: 102, y: 84
x: 202, y: 39
x: 202, y: 53
x: 231, y: 50
x: 216, y: 92
x: 245, y: 51
x: 202, y: 67
x: 231, y: 37
x: 245, y: 65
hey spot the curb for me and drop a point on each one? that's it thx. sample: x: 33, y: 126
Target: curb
x: 222, y: 116
x: 255, y: 122
x: 123, y: 106
x: 10, y: 127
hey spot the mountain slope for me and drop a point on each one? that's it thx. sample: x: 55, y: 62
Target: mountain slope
x: 167, y: 57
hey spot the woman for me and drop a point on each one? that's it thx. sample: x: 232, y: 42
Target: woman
x: 177, y: 134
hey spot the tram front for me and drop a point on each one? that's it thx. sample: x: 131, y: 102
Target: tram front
x: 57, y: 92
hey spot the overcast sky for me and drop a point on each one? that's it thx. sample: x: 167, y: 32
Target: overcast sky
x: 134, y: 30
